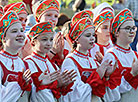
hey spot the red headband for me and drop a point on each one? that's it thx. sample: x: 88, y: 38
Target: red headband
x: 6, y: 21
x: 45, y: 6
x: 120, y: 18
x: 79, y: 27
x: 40, y: 28
x: 18, y: 8
x: 102, y: 17
x: 82, y: 14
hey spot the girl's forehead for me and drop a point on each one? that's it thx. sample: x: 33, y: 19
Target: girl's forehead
x: 47, y: 34
x: 128, y: 22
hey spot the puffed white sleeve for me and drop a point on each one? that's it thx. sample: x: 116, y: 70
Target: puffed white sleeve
x: 124, y: 86
x: 44, y: 95
x: 82, y: 92
x: 111, y: 94
x: 10, y: 92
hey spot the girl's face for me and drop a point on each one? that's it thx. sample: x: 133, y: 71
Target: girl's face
x: 43, y: 43
x: 87, y: 39
x: 50, y: 15
x: 23, y: 19
x: 15, y: 37
x: 127, y: 32
x: 103, y: 31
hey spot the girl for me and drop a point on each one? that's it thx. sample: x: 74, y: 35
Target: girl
x: 49, y: 11
x: 123, y: 31
x: 82, y: 37
x: 103, y: 15
x: 15, y: 80
x: 49, y: 82
x: 20, y: 9
x: 102, y: 24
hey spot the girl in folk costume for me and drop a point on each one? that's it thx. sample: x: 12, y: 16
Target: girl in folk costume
x: 49, y: 83
x: 48, y: 10
x: 15, y: 76
x: 20, y: 9
x: 95, y: 48
x: 123, y: 31
x: 103, y: 15
x: 77, y: 16
x: 89, y: 77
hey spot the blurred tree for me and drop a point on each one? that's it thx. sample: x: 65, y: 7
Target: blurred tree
x: 13, y: 1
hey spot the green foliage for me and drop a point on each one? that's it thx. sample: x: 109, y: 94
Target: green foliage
x: 13, y: 1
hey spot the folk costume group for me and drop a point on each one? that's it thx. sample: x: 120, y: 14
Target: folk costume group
x: 90, y: 60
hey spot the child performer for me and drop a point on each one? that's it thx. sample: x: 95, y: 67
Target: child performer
x: 89, y: 77
x: 49, y: 82
x: 15, y: 76
x: 123, y: 31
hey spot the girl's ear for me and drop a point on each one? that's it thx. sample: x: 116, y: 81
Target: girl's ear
x: 33, y: 42
x: 116, y: 35
x: 77, y: 42
x: 3, y: 40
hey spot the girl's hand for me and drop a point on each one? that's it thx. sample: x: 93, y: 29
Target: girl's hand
x: 48, y: 78
x: 99, y: 56
x: 102, y: 69
x: 26, y: 75
x: 134, y: 70
x: 111, y: 69
x: 61, y: 45
x: 66, y: 78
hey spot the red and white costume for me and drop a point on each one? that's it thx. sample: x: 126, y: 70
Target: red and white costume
x: 43, y: 93
x: 11, y: 78
x: 125, y: 59
x: 87, y: 79
x: 99, y: 48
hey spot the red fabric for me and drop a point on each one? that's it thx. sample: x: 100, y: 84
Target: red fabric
x: 52, y: 86
x: 98, y: 87
x: 94, y: 80
x: 114, y: 79
x: 56, y: 93
x: 22, y: 83
x: 7, y: 7
x: 36, y: 80
x: 65, y: 90
x: 133, y: 81
x: 56, y: 59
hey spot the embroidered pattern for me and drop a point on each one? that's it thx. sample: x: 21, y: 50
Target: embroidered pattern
x: 47, y: 5
x: 82, y: 14
x: 103, y: 17
x: 41, y: 28
x: 11, y: 57
x: 119, y: 19
x: 35, y: 56
x: 18, y: 7
x: 122, y: 50
x: 6, y: 21
x: 79, y: 27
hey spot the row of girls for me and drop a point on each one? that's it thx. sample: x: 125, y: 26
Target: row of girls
x: 89, y: 61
